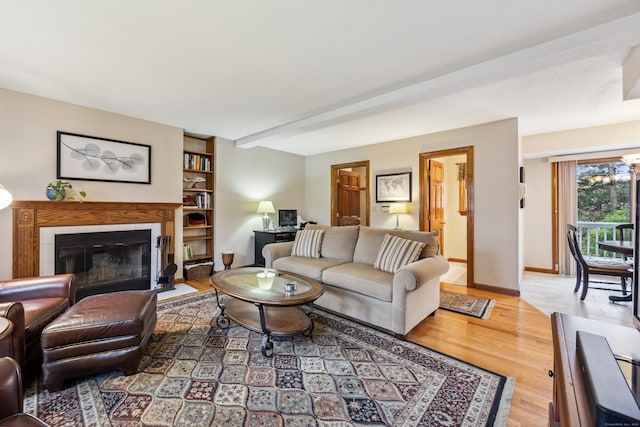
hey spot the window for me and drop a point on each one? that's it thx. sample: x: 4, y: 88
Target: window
x: 603, y: 191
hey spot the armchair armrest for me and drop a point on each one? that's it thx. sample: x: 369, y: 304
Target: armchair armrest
x: 411, y: 276
x: 14, y: 346
x: 273, y: 251
x: 56, y: 286
x: 10, y: 388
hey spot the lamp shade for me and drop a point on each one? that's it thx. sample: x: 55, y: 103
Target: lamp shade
x: 631, y: 159
x: 398, y: 208
x: 266, y: 207
x: 5, y: 197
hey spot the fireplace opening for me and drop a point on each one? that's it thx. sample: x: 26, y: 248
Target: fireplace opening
x: 105, y: 261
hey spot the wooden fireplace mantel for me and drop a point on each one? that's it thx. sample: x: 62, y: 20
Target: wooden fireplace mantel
x: 30, y: 216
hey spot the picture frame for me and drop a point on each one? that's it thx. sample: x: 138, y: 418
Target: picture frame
x: 91, y: 158
x: 394, y: 187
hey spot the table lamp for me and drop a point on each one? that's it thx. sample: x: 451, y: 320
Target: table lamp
x: 265, y: 207
x: 5, y: 197
x: 397, y: 208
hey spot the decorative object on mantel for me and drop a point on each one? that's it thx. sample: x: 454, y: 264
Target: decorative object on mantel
x: 5, y: 197
x: 57, y: 190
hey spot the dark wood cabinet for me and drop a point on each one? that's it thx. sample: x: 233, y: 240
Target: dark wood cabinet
x: 271, y: 236
x: 571, y: 405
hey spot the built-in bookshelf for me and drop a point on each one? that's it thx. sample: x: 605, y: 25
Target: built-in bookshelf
x: 198, y: 203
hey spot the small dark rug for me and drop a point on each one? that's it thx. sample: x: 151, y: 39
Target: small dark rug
x: 196, y: 374
x: 466, y: 304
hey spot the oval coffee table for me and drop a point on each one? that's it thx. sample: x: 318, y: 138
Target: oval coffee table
x: 271, y: 309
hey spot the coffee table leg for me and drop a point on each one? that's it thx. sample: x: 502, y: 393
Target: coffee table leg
x: 309, y: 312
x: 222, y: 320
x: 267, y: 344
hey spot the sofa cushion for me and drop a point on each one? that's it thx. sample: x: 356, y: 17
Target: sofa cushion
x: 338, y: 242
x: 397, y: 252
x: 370, y: 240
x: 360, y: 278
x: 309, y: 267
x: 307, y: 243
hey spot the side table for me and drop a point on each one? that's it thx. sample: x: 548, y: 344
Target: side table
x: 263, y: 238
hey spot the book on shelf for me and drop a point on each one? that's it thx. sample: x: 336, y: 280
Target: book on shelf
x: 203, y: 200
x: 197, y: 162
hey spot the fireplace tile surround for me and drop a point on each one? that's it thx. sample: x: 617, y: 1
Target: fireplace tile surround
x: 35, y: 222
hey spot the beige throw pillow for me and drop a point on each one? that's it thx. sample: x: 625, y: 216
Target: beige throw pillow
x: 308, y: 243
x: 397, y: 252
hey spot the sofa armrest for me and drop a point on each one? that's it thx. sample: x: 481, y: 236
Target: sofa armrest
x: 273, y: 251
x: 14, y: 346
x: 56, y: 286
x: 10, y: 388
x: 422, y: 271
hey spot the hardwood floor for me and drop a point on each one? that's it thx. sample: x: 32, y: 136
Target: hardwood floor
x: 515, y: 340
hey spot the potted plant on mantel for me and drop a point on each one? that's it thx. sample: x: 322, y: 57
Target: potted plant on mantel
x: 57, y: 190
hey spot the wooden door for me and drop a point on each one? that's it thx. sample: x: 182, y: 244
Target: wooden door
x: 436, y: 202
x: 348, y: 198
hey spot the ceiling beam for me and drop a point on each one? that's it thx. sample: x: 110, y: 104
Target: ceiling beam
x: 631, y: 75
x: 581, y: 44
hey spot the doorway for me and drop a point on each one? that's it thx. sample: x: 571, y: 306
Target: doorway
x: 350, y: 193
x: 446, y: 203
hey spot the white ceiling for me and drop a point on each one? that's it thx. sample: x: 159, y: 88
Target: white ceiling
x: 307, y: 76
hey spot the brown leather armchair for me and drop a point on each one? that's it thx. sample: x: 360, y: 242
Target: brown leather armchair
x: 31, y: 304
x: 12, y: 398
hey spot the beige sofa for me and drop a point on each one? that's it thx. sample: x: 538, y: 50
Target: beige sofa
x: 395, y: 302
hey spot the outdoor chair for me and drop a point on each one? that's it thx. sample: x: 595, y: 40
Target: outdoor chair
x: 586, y: 266
x: 624, y: 232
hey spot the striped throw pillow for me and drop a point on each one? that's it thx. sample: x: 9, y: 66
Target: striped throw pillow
x: 307, y: 243
x: 397, y: 252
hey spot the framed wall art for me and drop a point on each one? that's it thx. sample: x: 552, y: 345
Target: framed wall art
x: 90, y: 158
x: 395, y: 187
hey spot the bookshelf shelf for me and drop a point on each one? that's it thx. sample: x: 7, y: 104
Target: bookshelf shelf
x: 198, y: 198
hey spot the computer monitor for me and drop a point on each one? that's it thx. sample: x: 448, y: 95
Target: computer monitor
x: 287, y: 217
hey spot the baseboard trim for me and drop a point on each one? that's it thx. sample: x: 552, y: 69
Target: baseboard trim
x: 497, y: 289
x: 541, y: 270
x: 464, y: 261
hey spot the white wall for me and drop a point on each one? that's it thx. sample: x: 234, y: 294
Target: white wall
x: 496, y: 190
x: 28, y: 162
x: 537, y: 212
x: 244, y: 177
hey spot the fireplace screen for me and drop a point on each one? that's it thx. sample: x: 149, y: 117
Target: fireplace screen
x: 105, y: 262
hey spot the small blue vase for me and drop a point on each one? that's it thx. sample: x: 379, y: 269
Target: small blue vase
x: 53, y: 194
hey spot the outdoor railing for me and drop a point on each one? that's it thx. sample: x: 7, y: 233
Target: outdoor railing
x: 590, y: 233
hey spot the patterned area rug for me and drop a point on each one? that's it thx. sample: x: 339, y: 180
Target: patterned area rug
x: 466, y: 304
x: 344, y: 374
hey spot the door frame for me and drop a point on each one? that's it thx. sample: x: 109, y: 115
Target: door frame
x: 424, y: 197
x: 334, y: 194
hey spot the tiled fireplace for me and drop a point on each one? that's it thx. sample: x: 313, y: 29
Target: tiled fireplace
x: 104, y: 258
x: 114, y: 227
